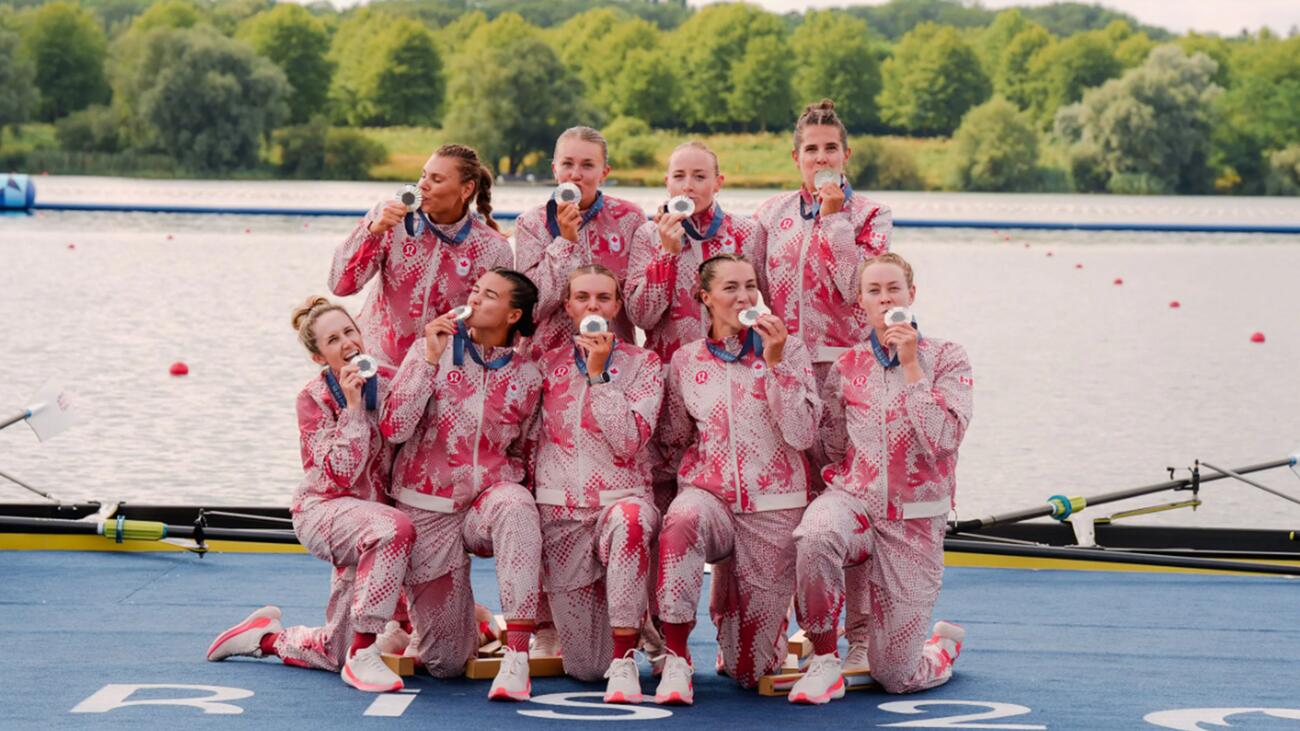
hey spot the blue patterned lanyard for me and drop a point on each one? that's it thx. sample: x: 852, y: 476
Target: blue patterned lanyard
x: 460, y: 343
x: 551, y: 206
x: 425, y: 224
x: 752, y: 344
x: 582, y: 364
x: 817, y: 204
x: 882, y: 355
x: 370, y: 391
x: 712, y: 231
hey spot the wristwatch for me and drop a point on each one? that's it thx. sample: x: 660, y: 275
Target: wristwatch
x: 597, y: 379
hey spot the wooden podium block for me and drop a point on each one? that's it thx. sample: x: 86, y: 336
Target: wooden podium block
x: 800, y: 645
x: 781, y: 684
x: 485, y: 668
x: 491, y: 649
x: 400, y: 664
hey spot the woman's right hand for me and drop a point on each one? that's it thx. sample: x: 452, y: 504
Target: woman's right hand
x: 389, y: 216
x: 351, y: 382
x: 436, y: 335
x: 671, y: 231
x: 568, y: 218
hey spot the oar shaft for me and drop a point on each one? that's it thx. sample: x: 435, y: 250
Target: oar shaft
x: 60, y: 525
x: 11, y: 420
x: 1045, y: 510
x: 1075, y: 553
x: 25, y: 486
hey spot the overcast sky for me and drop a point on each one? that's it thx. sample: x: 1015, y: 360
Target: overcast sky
x: 1225, y: 17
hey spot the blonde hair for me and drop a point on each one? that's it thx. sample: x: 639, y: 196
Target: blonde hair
x: 697, y: 145
x: 600, y: 269
x: 586, y: 134
x: 821, y: 113
x: 889, y: 257
x: 306, y: 315
x: 470, y: 168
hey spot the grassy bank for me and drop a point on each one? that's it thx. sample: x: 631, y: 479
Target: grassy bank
x: 748, y: 160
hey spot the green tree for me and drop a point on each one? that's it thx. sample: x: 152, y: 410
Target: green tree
x: 1013, y: 79
x: 995, y: 148
x: 706, y: 47
x: 1060, y: 72
x: 18, y: 94
x: 298, y: 43
x: 992, y: 42
x: 1150, y: 128
x: 1214, y: 47
x: 68, y: 49
x: 647, y: 88
x: 513, y: 100
x: 389, y: 71
x: 596, y: 46
x: 898, y: 17
x: 206, y: 100
x: 315, y: 151
x: 761, y: 96
x: 1258, y: 113
x: 1284, y: 171
x: 168, y: 14
x: 833, y: 59
x: 930, y: 82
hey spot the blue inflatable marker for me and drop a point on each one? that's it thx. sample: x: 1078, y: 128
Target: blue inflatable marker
x: 19, y: 193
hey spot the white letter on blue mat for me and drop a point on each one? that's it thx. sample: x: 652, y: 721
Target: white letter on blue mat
x: 115, y: 695
x: 612, y: 713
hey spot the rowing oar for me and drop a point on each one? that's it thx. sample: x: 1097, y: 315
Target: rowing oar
x: 51, y: 411
x: 120, y: 529
x: 1082, y: 553
x: 1060, y: 507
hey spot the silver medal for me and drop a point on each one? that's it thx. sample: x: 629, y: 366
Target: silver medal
x: 897, y: 316
x: 567, y: 193
x: 410, y: 197
x: 681, y: 205
x: 593, y: 325
x: 367, y: 365
x: 462, y: 313
x: 825, y: 176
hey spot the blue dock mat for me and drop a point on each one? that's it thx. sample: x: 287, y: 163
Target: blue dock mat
x: 1044, y: 649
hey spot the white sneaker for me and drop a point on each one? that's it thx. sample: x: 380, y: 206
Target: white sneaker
x: 512, y: 682
x: 946, y: 643
x: 624, y: 681
x: 823, y: 681
x: 393, y: 640
x: 676, y: 686
x: 365, y: 670
x: 546, y: 642
x: 245, y: 637
x: 857, y: 658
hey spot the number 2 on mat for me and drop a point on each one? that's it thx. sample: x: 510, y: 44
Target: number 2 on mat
x: 995, y: 710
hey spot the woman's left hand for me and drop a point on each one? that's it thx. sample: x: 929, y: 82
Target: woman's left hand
x: 595, y: 351
x: 902, y: 339
x: 832, y: 198
x: 774, y: 334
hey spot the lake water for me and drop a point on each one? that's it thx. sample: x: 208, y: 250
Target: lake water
x: 1082, y: 386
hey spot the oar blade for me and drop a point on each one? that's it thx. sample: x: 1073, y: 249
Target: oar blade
x: 53, y: 411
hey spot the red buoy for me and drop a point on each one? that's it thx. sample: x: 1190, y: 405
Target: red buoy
x: 1258, y: 337
x: 179, y: 369
x: 1119, y: 280
x: 72, y: 246
x: 248, y: 230
x: 1078, y: 266
x: 1026, y: 246
x: 169, y: 237
x: 1006, y: 238
x: 1049, y: 253
x: 1175, y: 304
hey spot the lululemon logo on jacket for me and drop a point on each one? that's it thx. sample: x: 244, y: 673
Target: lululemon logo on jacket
x: 408, y: 248
x: 561, y: 372
x: 454, y: 377
x: 701, y: 377
x: 786, y: 223
x: 860, y: 381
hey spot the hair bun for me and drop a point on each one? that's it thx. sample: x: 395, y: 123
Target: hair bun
x: 303, y: 311
x: 826, y: 103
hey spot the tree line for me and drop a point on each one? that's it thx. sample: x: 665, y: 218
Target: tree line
x: 1059, y: 97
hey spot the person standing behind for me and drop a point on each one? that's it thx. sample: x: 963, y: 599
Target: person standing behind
x: 427, y: 260
x: 553, y: 239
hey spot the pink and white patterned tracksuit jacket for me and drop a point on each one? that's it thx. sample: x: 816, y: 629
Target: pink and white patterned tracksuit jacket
x: 889, y: 488
x: 420, y: 277
x: 548, y: 260
x: 744, y: 483
x: 593, y: 496
x: 660, y: 292
x: 459, y: 478
x: 342, y: 514
x: 812, y: 267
